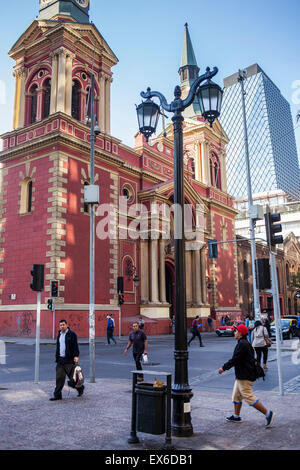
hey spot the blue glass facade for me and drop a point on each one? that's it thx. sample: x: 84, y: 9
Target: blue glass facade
x: 272, y: 146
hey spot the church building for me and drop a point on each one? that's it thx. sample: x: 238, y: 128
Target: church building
x: 45, y: 165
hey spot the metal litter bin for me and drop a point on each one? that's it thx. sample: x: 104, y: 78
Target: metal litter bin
x: 151, y: 408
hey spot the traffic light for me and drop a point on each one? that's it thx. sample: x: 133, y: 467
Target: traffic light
x: 121, y: 299
x: 54, y: 288
x: 263, y: 276
x: 50, y: 304
x: 37, y: 273
x: 272, y: 227
x: 213, y: 249
x: 120, y: 284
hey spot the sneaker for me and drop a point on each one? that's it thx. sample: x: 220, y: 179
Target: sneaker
x: 233, y: 419
x: 269, y: 419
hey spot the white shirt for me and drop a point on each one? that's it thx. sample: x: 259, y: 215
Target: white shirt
x: 62, y: 343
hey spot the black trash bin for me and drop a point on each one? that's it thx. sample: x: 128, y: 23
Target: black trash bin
x: 151, y: 408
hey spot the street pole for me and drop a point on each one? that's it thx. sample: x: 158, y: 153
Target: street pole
x: 37, y: 338
x: 92, y: 239
x: 181, y: 390
x: 53, y: 323
x: 120, y: 321
x: 276, y: 318
x: 257, y: 313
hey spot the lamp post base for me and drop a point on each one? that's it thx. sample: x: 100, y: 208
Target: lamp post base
x: 182, y: 422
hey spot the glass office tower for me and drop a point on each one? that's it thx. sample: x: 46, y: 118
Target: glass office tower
x: 272, y: 146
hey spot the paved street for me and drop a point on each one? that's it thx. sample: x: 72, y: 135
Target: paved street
x: 111, y: 363
x: 101, y: 418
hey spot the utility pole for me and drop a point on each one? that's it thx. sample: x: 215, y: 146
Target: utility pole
x: 257, y: 312
x: 92, y: 238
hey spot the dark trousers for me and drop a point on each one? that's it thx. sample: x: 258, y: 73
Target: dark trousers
x: 63, y: 369
x: 259, y: 352
x: 110, y: 336
x: 138, y: 362
x: 194, y: 334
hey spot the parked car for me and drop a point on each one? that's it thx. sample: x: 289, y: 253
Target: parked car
x: 288, y: 328
x: 227, y: 330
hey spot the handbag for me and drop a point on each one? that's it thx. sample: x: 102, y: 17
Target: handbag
x: 267, y: 340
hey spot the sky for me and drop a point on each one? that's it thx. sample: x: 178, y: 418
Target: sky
x: 147, y: 38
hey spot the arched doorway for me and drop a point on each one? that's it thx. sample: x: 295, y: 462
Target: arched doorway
x: 170, y: 283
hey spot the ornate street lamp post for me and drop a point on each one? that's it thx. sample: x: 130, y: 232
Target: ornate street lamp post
x: 210, y: 99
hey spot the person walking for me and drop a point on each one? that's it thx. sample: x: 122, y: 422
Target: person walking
x: 141, y: 323
x: 244, y: 363
x: 267, y: 325
x: 250, y: 325
x: 258, y: 340
x: 67, y: 353
x: 110, y: 326
x: 139, y: 342
x: 209, y: 323
x: 195, y: 331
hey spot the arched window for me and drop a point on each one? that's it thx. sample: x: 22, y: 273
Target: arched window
x: 47, y: 95
x: 33, y: 104
x: 26, y: 196
x: 76, y: 100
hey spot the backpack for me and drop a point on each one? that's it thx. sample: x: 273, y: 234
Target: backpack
x: 77, y: 377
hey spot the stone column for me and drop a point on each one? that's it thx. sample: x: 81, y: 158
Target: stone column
x: 39, y: 107
x: 162, y: 271
x: 144, y: 271
x: 102, y: 102
x: 69, y: 72
x: 203, y: 275
x: 53, y: 98
x: 197, y: 276
x: 205, y: 163
x: 188, y: 277
x: 154, y: 271
x: 61, y: 81
x: 21, y: 120
x: 107, y: 105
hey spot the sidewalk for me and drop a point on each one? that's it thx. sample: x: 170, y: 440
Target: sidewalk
x: 101, y: 419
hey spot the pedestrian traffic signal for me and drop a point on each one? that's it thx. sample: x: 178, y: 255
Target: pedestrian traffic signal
x: 37, y: 273
x: 121, y: 299
x: 213, y: 249
x: 272, y: 227
x: 54, y: 288
x: 50, y: 304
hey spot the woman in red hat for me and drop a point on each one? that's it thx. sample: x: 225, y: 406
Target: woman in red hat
x: 244, y: 364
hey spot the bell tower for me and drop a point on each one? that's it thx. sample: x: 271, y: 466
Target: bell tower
x: 55, y: 58
x: 72, y: 10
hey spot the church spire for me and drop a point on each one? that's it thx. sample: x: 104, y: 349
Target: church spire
x: 189, y: 69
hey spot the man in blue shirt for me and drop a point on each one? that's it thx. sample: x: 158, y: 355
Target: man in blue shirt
x: 110, y: 326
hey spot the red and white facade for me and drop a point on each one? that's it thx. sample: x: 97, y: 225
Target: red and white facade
x: 44, y: 166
